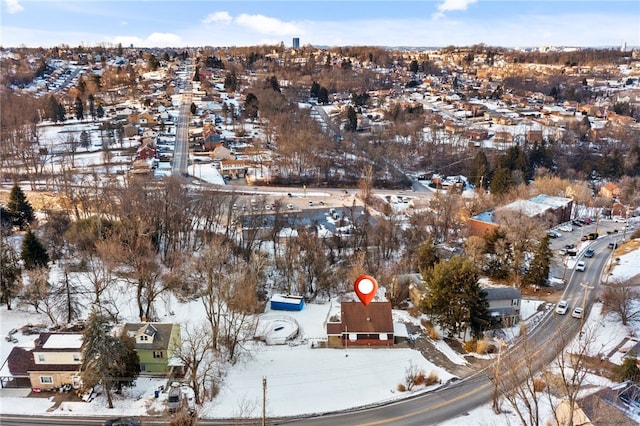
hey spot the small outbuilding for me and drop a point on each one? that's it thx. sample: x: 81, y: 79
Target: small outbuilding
x: 286, y: 302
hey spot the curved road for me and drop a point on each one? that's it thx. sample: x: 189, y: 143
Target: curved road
x: 451, y: 401
x: 458, y: 398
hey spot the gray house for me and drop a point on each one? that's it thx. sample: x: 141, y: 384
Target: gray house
x: 504, y: 305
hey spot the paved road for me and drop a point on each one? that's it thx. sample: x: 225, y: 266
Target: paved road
x: 459, y: 398
x: 181, y: 148
x: 456, y: 399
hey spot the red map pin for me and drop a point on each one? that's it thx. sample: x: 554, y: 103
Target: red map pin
x: 366, y: 288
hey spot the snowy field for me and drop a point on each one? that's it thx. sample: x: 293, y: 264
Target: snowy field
x: 301, y: 379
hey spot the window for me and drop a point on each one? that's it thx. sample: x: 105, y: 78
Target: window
x: 144, y: 337
x: 514, y: 302
x: 143, y: 367
x: 76, y: 357
x: 46, y: 380
x: 158, y: 354
x: 41, y: 358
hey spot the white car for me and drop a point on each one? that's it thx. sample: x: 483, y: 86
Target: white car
x: 562, y: 308
x: 577, y: 313
x: 580, y: 266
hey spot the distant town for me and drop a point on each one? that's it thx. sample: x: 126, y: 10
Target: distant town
x: 170, y: 214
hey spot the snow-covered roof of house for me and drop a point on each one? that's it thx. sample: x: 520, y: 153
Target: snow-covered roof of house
x: 527, y: 207
x: 551, y: 200
x: 63, y: 341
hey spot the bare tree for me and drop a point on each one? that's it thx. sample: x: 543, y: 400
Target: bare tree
x: 619, y: 298
x: 514, y: 379
x: 202, y: 362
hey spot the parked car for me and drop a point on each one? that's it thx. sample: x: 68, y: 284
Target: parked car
x: 580, y: 266
x: 554, y: 234
x: 566, y: 228
x: 592, y: 236
x: 562, y: 307
x: 577, y: 312
x: 122, y: 421
x: 613, y: 245
x: 576, y: 223
x: 589, y: 253
x: 174, y: 400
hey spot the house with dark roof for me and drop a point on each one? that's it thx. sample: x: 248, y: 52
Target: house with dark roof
x: 55, y: 360
x: 504, y: 305
x: 362, y: 326
x: 155, y: 343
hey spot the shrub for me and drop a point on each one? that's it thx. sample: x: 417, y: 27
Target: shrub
x: 470, y: 345
x: 522, y: 330
x: 419, y: 378
x: 414, y: 311
x: 432, y: 379
x: 539, y: 385
x: 431, y: 330
x: 401, y: 388
x: 484, y: 347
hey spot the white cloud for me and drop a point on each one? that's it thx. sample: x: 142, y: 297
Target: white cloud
x: 164, y: 39
x: 13, y: 6
x: 218, y: 18
x: 123, y: 23
x: 449, y: 5
x: 266, y: 25
x: 153, y: 40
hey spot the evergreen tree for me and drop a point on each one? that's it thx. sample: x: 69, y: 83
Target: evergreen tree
x: 92, y: 106
x: 231, y: 81
x: 274, y: 84
x: 628, y: 370
x: 33, y: 253
x: 480, y: 170
x: 79, y: 108
x: 454, y: 298
x: 10, y: 273
x: 501, y: 181
x: 100, y: 111
x: 315, y: 88
x: 251, y: 106
x: 426, y: 256
x: 60, y: 114
x: 323, y: 96
x: 196, y: 74
x: 84, y: 139
x: 106, y: 359
x: 479, y: 316
x: 352, y: 120
x: 19, y: 209
x: 539, y: 267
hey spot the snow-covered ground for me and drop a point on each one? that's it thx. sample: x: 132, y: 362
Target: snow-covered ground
x: 302, y: 379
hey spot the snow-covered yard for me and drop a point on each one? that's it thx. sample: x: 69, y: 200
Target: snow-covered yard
x: 300, y: 379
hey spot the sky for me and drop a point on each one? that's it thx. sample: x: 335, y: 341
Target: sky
x: 417, y: 23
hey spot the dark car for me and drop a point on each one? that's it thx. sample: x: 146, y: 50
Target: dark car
x: 589, y: 253
x: 122, y: 421
x: 576, y: 223
x: 613, y: 245
x: 592, y: 236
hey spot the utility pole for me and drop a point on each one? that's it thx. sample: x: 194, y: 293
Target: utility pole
x: 264, y: 401
x: 496, y: 379
x: 584, y: 303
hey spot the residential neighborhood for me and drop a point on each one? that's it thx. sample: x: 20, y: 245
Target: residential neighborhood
x: 182, y: 227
